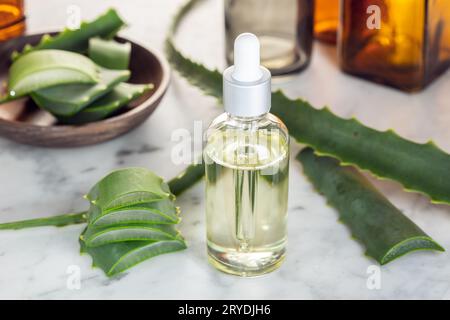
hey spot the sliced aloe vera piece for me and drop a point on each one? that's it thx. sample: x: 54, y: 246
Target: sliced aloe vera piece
x: 105, y: 26
x: 422, y: 168
x: 156, y: 212
x: 98, y: 236
x: 383, y: 229
x: 117, y: 257
x: 68, y: 100
x: 47, y: 68
x: 126, y: 187
x: 109, y: 53
x: 107, y: 105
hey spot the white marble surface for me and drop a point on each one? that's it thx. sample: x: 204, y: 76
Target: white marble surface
x: 322, y: 261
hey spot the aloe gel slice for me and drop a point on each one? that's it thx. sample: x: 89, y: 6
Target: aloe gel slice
x: 383, y: 229
x: 46, y: 68
x: 117, y: 257
x: 98, y: 236
x: 156, y: 212
x: 109, y: 53
x: 105, y: 26
x: 126, y: 187
x: 68, y: 100
x: 109, y: 104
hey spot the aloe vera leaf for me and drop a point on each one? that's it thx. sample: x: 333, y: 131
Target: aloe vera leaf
x: 107, y: 105
x: 209, y: 81
x: 117, y: 257
x: 109, y: 53
x: 47, y: 68
x: 68, y: 100
x: 98, y: 236
x: 126, y: 187
x: 187, y: 178
x: 383, y: 229
x: 105, y: 26
x: 57, y: 221
x: 156, y: 212
x: 421, y: 168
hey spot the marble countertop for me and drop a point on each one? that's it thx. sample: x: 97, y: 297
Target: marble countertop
x: 322, y: 261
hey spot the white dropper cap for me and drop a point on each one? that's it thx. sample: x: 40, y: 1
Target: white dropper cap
x: 246, y: 85
x: 246, y: 58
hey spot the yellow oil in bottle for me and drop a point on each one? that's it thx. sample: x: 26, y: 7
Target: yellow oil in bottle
x: 246, y: 199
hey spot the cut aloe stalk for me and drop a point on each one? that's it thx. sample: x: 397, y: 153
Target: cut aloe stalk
x: 56, y: 221
x: 47, y: 68
x: 68, y: 100
x: 109, y: 53
x: 383, y: 229
x: 109, y: 104
x: 187, y: 178
x: 117, y: 257
x: 105, y: 26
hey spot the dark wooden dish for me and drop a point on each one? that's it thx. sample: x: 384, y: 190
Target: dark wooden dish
x: 24, y: 122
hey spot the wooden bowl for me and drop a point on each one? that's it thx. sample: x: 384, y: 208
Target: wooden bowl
x: 24, y: 122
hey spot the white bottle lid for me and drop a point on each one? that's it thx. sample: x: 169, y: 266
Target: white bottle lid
x: 246, y: 85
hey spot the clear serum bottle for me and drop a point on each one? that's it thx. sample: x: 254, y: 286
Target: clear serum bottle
x: 247, y: 167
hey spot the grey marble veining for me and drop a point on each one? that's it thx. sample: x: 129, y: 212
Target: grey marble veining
x: 322, y: 261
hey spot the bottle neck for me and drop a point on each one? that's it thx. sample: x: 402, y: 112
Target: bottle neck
x: 246, y: 119
x: 246, y: 123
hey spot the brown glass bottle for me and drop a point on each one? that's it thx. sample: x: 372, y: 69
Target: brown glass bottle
x: 12, y: 19
x: 326, y: 20
x: 408, y: 49
x: 284, y: 28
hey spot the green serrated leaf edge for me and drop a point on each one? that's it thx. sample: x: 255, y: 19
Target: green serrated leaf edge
x: 384, y: 230
x: 106, y: 26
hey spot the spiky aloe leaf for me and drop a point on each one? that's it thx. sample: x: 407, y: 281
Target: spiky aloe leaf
x: 117, y: 257
x: 421, y: 168
x: 68, y: 100
x: 383, y: 229
x: 105, y: 26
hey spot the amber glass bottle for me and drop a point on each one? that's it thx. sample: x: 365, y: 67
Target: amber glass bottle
x: 326, y: 20
x: 407, y: 48
x: 12, y: 19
